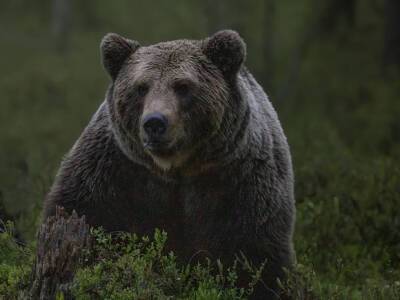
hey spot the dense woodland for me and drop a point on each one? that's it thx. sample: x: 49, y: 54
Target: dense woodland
x: 330, y: 68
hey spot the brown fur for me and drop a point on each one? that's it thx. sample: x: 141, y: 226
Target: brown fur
x: 222, y: 183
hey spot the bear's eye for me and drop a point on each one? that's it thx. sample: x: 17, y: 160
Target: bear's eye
x: 142, y: 89
x: 182, y: 88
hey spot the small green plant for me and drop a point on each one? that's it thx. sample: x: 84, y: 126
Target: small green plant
x: 15, y: 265
x: 303, y: 283
x: 128, y: 267
x: 125, y: 266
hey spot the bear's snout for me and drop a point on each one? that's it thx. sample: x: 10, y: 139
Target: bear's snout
x: 155, y: 125
x: 154, y: 132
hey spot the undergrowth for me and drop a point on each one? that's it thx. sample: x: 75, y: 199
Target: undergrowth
x: 125, y: 266
x: 139, y: 268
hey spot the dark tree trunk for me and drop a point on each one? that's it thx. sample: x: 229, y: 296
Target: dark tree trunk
x: 268, y: 45
x: 319, y: 28
x: 61, y: 240
x: 61, y: 20
x: 4, y: 216
x: 214, y: 15
x: 334, y: 11
x: 392, y: 33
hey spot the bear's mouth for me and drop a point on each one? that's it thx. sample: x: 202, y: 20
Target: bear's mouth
x: 166, y: 155
x: 159, y: 148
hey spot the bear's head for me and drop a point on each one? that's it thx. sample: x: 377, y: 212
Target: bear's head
x: 174, y: 102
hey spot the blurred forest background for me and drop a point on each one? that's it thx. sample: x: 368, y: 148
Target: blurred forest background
x: 331, y: 69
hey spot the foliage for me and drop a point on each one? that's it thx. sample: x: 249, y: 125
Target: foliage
x: 15, y: 265
x: 123, y: 266
x: 303, y: 283
x: 137, y: 268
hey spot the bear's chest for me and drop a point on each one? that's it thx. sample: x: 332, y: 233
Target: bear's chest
x: 196, y: 216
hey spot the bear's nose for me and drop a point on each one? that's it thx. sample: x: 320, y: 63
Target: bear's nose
x: 155, y: 125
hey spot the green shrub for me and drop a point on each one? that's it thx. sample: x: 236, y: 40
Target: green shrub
x: 124, y: 266
x: 135, y: 268
x: 15, y: 265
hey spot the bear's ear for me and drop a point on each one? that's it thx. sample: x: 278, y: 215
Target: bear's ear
x: 115, y: 49
x: 227, y: 50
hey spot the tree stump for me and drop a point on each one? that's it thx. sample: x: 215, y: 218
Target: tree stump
x: 61, y: 240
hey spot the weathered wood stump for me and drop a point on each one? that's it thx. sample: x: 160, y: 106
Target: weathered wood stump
x: 61, y: 240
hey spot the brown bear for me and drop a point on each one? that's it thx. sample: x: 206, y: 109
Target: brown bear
x: 186, y: 141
